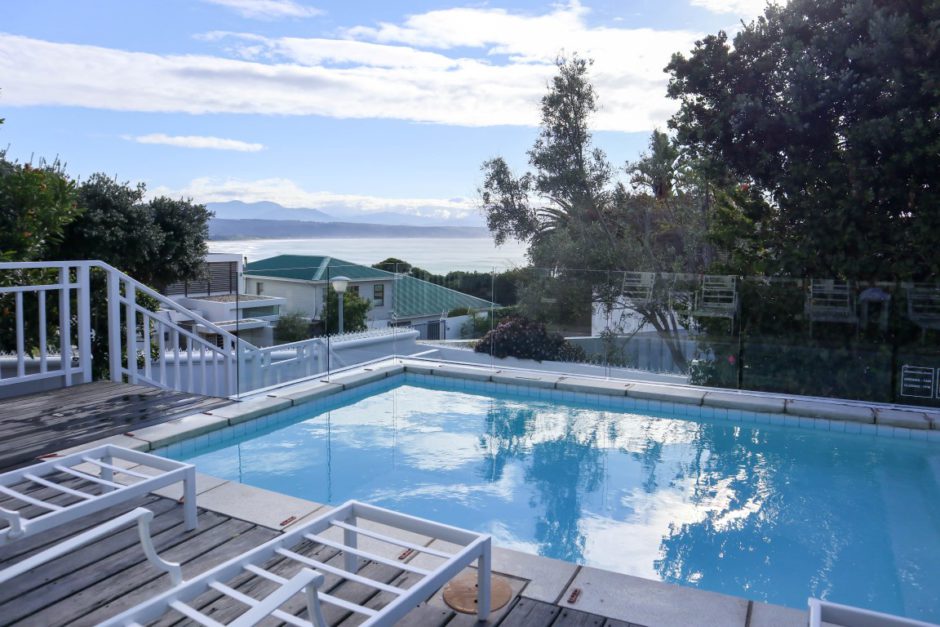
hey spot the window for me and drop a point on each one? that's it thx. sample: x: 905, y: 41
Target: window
x: 378, y: 295
x: 259, y: 288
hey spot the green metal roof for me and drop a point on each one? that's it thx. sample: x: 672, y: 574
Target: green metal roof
x: 411, y: 297
x: 414, y: 297
x: 313, y: 268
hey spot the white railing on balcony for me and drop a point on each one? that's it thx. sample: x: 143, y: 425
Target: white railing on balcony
x: 149, y: 338
x: 143, y: 345
x: 43, y: 348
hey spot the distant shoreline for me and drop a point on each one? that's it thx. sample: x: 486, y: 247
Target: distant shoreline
x: 221, y: 229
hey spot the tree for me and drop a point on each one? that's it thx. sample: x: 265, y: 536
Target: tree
x: 355, y: 310
x: 157, y: 242
x: 828, y: 110
x: 36, y: 206
x: 292, y: 326
x: 393, y: 264
x: 584, y: 229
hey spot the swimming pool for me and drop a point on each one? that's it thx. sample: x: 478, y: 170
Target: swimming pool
x: 744, y: 507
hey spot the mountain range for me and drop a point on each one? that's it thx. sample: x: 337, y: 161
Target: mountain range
x: 266, y: 210
x: 268, y: 220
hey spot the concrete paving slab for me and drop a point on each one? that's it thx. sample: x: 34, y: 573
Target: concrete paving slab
x: 668, y: 394
x: 461, y: 372
x: 172, y: 431
x: 308, y: 391
x: 126, y: 441
x: 593, y: 386
x: 547, y: 577
x: 262, y: 507
x: 251, y: 408
x: 531, y: 380
x: 421, y: 368
x: 652, y: 603
x: 902, y: 418
x: 204, y: 483
x: 382, y: 549
x: 832, y: 411
x: 745, y: 402
x: 355, y: 379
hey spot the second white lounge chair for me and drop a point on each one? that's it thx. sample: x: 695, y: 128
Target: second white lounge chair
x: 296, y: 573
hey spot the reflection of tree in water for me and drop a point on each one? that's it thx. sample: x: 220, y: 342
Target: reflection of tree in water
x: 562, y: 470
x: 508, y: 431
x: 731, y: 485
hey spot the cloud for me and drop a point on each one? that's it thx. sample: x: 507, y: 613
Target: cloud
x: 465, y: 67
x: 745, y: 9
x: 289, y: 194
x: 268, y: 9
x: 196, y: 141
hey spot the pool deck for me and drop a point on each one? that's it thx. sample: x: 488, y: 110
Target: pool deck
x: 33, y: 425
x: 107, y: 577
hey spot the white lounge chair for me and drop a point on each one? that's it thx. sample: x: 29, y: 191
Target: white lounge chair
x: 36, y: 488
x: 848, y: 616
x: 299, y: 573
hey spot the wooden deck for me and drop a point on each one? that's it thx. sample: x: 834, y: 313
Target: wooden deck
x: 102, y: 579
x: 37, y: 424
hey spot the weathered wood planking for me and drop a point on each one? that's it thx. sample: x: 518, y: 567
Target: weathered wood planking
x: 111, y: 575
x: 37, y: 424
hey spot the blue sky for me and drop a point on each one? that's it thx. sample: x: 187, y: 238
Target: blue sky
x: 351, y: 107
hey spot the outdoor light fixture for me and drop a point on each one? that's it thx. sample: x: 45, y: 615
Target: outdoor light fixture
x: 340, y: 284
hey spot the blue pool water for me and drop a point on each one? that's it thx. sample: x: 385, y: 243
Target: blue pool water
x: 769, y: 512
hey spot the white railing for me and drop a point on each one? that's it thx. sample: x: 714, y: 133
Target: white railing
x: 144, y: 345
x: 33, y: 334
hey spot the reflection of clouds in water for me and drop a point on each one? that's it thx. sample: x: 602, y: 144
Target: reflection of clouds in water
x: 440, y: 451
x: 466, y: 494
x: 632, y: 545
x: 506, y: 539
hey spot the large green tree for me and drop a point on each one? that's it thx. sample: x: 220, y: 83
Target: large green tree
x: 36, y: 205
x: 156, y: 242
x: 584, y: 227
x: 830, y: 110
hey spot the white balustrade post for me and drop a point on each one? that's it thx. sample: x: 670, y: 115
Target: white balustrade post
x: 84, y: 322
x: 114, y: 326
x: 65, y: 327
x: 130, y: 321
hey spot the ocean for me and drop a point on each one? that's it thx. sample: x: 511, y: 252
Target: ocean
x: 437, y: 255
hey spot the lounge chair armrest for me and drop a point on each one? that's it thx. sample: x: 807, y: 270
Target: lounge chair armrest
x: 142, y: 516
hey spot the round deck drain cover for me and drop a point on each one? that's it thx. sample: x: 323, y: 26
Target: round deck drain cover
x: 461, y: 593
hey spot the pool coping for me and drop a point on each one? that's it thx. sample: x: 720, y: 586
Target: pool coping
x: 598, y: 590
x: 760, y: 407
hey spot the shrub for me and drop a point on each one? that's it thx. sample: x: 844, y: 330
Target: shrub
x: 517, y: 336
x: 292, y: 327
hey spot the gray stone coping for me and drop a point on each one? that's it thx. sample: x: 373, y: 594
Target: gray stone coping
x: 179, y: 429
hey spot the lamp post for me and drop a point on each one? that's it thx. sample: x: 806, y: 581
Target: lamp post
x: 339, y: 286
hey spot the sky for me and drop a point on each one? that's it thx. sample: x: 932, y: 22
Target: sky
x: 348, y: 106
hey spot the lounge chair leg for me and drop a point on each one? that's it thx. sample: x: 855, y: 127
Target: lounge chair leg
x: 189, y: 499
x: 314, y: 612
x: 484, y: 568
x: 350, y: 539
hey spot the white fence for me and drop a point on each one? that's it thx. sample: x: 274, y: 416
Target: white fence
x: 144, y: 341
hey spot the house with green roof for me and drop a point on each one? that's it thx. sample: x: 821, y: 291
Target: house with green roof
x: 396, y: 299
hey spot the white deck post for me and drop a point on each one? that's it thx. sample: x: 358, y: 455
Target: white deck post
x: 65, y: 327
x: 114, y: 326
x: 130, y: 297
x: 84, y: 322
